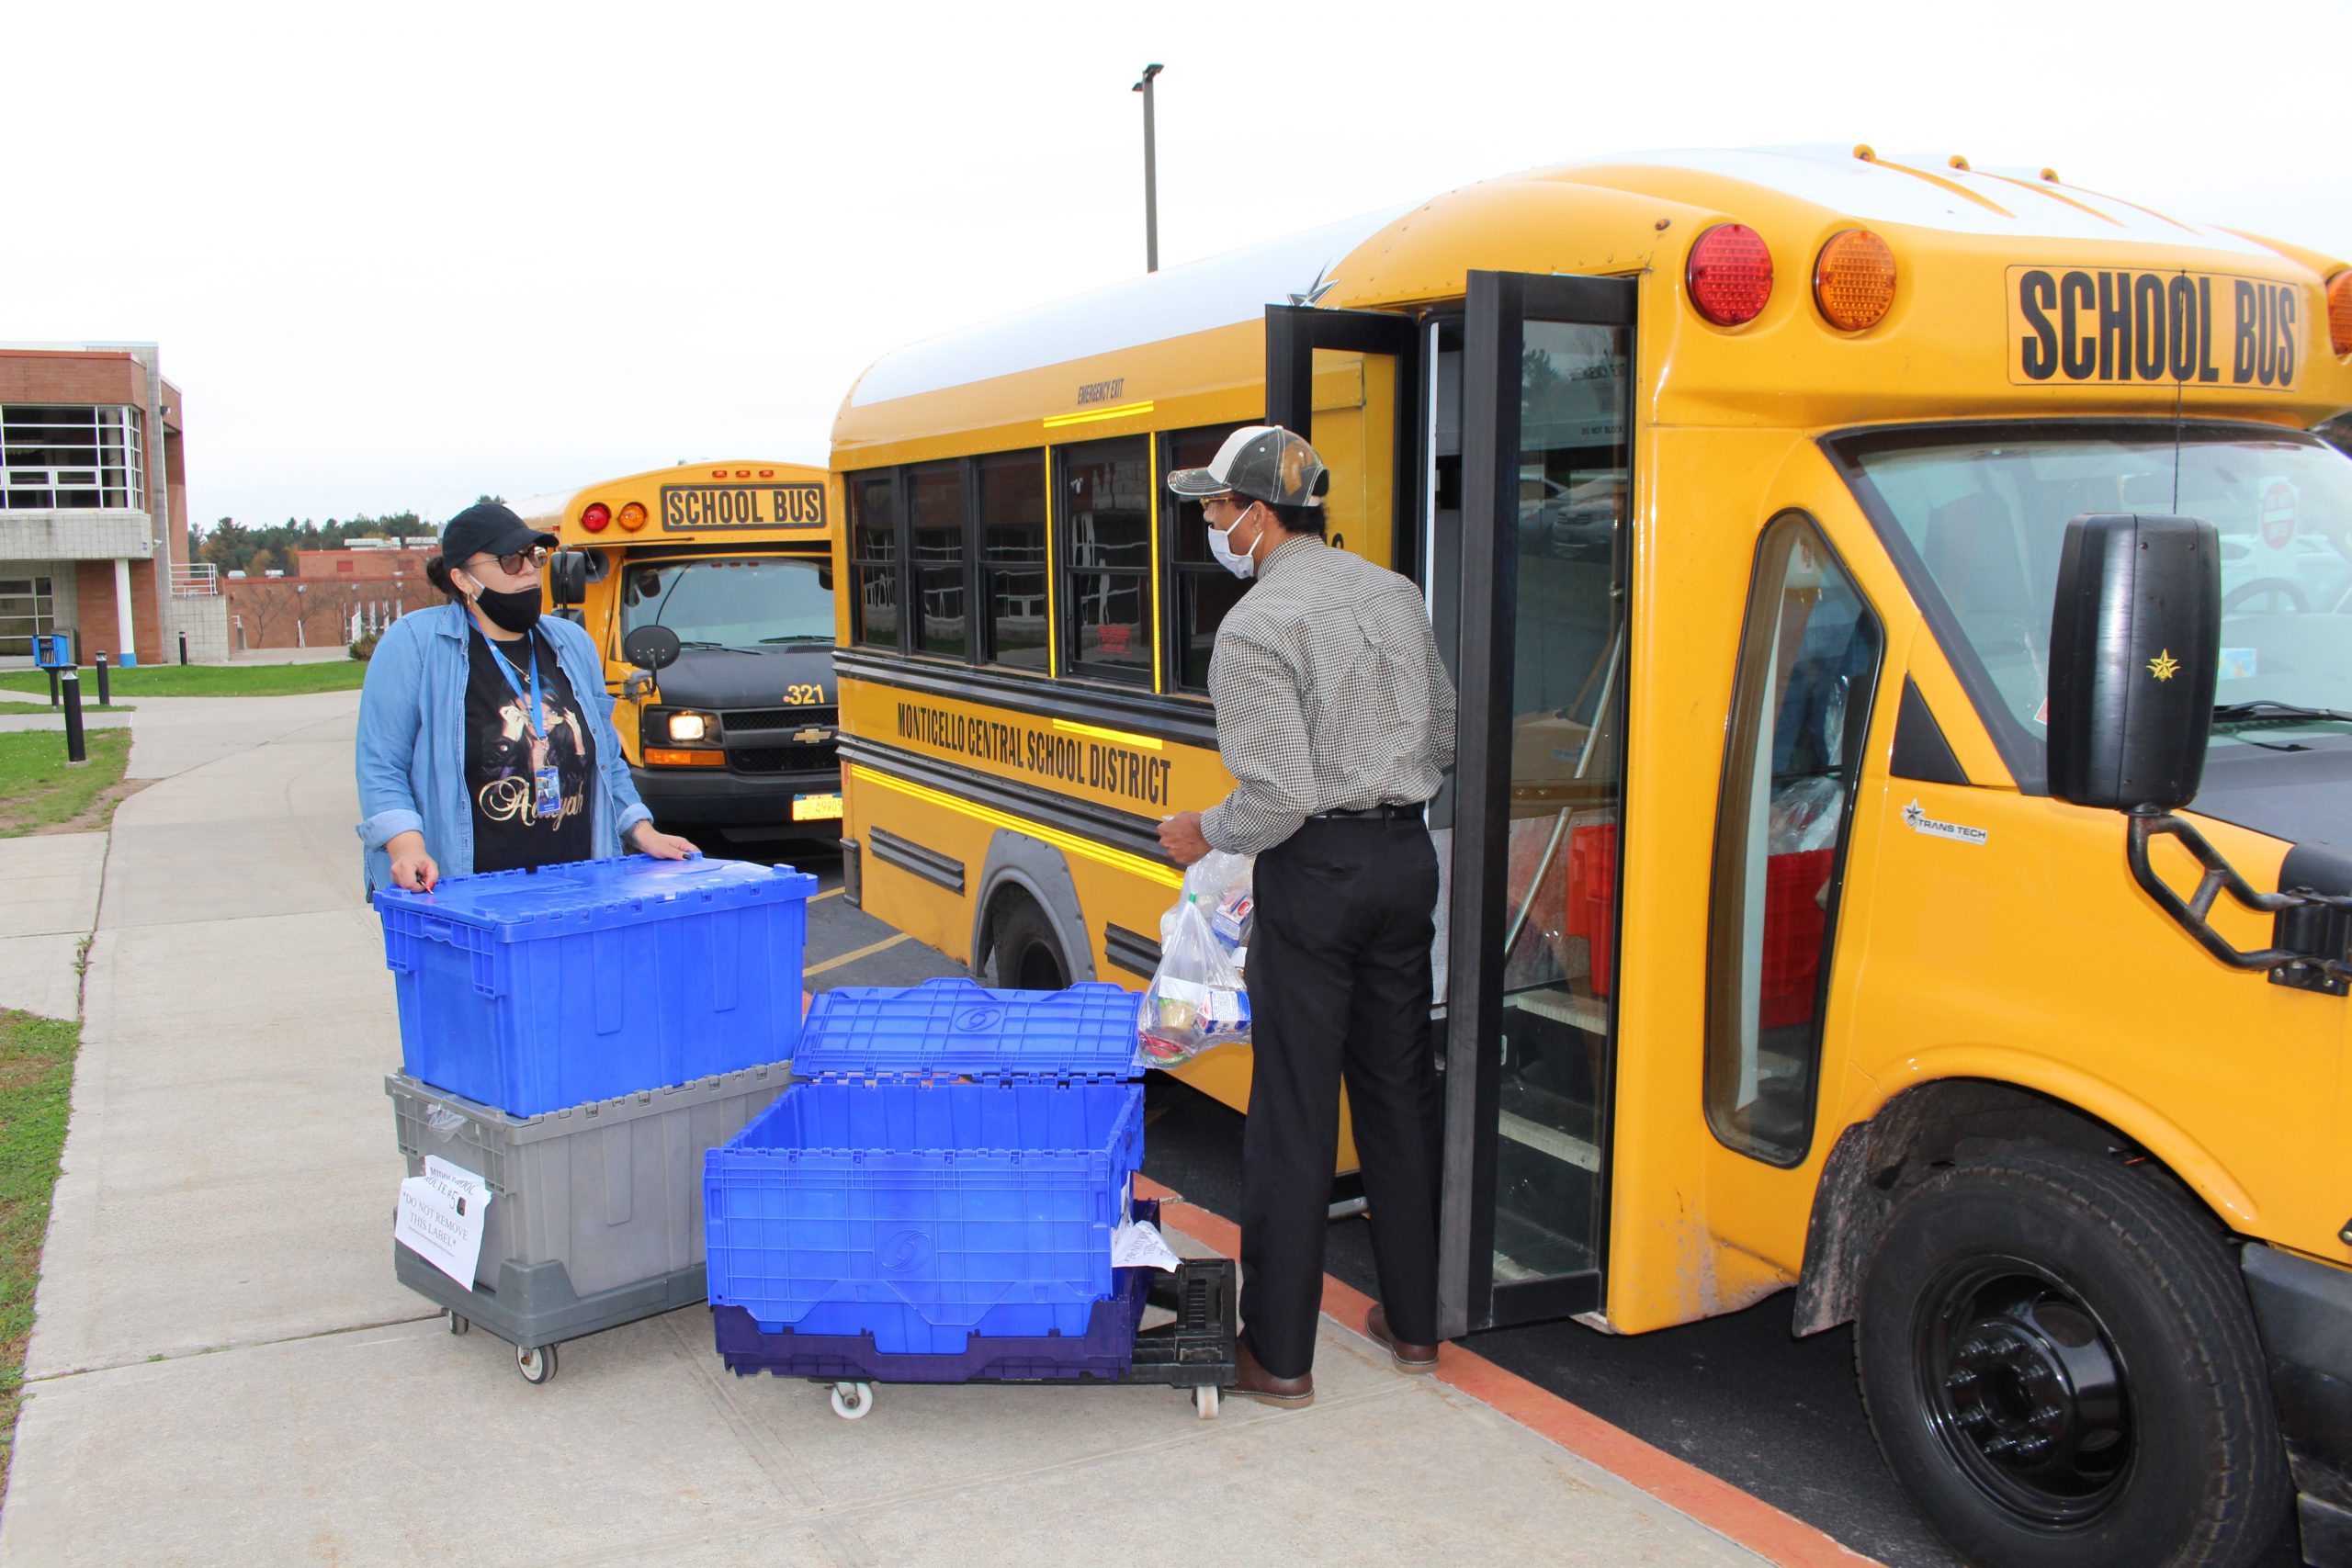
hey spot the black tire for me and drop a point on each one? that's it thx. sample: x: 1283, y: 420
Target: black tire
x: 2061, y: 1370
x: 1024, y: 948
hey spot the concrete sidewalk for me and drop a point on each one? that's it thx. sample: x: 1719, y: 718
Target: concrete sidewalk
x: 224, y: 1372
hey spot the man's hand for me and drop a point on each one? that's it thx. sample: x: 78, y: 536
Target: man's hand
x: 1180, y: 836
x: 411, y: 867
x: 645, y: 840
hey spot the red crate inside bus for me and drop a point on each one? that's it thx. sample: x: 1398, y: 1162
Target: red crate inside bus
x: 1793, y: 919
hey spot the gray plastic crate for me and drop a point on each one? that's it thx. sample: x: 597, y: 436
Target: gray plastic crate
x: 596, y: 1215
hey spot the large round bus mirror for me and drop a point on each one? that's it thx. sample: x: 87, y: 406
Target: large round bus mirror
x: 2136, y: 639
x: 568, y: 577
x: 651, y: 648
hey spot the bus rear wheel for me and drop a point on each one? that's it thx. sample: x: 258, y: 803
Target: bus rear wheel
x: 2061, y: 1369
x: 1024, y: 949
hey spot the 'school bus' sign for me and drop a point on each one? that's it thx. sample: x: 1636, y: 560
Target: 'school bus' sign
x: 2118, y: 327
x: 693, y: 508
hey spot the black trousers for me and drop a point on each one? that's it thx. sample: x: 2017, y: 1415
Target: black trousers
x: 1339, y: 988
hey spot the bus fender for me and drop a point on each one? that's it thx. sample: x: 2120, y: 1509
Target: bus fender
x: 1935, y: 1122
x: 1016, y: 859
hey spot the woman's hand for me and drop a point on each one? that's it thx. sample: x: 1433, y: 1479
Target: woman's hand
x: 645, y: 840
x: 411, y: 867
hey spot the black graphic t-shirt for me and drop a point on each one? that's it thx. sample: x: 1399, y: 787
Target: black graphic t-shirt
x: 502, y: 755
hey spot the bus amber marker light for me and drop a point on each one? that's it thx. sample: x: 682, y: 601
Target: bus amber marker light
x: 632, y: 517
x: 1853, y: 281
x: 1730, y: 274
x: 2339, y: 311
x: 596, y: 517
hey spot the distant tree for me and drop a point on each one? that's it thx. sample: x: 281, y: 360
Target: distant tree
x: 229, y: 545
x: 494, y: 499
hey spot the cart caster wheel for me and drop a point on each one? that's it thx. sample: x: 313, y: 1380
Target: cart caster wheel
x: 537, y: 1365
x: 458, y: 1325
x: 1205, y: 1400
x: 853, y: 1400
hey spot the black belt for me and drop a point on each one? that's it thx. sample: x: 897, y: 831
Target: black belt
x: 1370, y: 814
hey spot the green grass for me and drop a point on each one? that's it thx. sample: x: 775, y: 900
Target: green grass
x: 39, y: 789
x: 12, y: 708
x: 206, y: 679
x: 36, y: 1086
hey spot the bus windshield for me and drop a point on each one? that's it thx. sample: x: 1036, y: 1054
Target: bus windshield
x: 1984, y: 511
x: 748, y: 601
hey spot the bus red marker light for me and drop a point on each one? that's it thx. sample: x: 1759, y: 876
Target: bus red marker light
x: 2339, y: 311
x: 1730, y: 274
x: 1853, y: 280
x: 596, y: 517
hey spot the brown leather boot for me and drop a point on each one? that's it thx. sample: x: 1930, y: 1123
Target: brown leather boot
x: 1409, y: 1358
x: 1255, y: 1382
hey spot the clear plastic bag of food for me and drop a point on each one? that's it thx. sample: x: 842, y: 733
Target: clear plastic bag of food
x: 1195, y: 1002
x: 1221, y: 884
x: 1804, y: 816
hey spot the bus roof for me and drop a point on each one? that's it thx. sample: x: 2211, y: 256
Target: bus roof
x: 1602, y: 216
x: 681, y: 505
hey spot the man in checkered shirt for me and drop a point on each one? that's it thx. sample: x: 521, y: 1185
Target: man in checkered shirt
x: 1335, y: 716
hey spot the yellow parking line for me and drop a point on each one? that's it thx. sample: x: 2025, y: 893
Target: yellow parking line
x: 828, y: 893
x: 855, y: 953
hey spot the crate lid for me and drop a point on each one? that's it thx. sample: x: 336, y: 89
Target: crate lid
x: 509, y: 902
x: 958, y: 1026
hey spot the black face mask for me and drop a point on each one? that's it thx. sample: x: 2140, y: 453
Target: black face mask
x: 516, y: 610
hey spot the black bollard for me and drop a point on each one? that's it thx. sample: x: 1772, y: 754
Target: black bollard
x: 106, y: 699
x: 183, y: 647
x: 77, y: 751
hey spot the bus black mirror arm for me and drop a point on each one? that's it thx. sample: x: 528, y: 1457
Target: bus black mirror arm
x: 2305, y: 970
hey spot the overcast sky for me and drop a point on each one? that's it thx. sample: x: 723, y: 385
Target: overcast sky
x: 398, y: 256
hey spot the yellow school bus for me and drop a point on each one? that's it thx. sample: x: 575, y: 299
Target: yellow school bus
x: 1901, y: 842
x: 736, y: 560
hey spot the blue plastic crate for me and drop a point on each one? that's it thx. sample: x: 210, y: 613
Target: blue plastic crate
x: 534, y: 990
x: 956, y: 1168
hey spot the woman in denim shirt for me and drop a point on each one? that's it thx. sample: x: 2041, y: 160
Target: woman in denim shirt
x: 485, y: 739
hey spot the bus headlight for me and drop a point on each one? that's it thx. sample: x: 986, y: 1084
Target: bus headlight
x: 689, y: 725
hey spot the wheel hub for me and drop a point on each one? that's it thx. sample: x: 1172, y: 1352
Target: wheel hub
x: 2031, y: 1397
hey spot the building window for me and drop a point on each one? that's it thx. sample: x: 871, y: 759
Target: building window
x: 78, y: 458
x: 1105, y: 527
x: 936, y: 512
x: 874, y: 559
x: 27, y: 610
x: 1201, y: 591
x: 1013, y: 557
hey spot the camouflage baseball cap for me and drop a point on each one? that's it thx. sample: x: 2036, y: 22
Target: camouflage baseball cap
x: 1265, y: 462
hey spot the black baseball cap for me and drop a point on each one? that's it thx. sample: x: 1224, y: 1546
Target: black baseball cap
x: 486, y: 528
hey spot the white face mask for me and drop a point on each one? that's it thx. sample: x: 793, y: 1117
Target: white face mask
x: 1226, y: 556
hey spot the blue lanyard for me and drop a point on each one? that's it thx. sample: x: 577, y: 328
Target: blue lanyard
x: 505, y: 668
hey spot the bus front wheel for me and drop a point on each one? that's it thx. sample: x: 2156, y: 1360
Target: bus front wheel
x: 1026, y: 952
x: 2061, y: 1368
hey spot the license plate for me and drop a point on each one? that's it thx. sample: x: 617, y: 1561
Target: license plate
x: 815, y: 807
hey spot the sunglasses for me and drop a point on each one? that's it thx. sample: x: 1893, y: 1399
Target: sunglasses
x: 514, y: 563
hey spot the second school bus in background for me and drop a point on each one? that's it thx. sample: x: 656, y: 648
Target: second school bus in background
x: 736, y: 559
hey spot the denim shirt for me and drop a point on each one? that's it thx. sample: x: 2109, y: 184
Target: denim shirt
x: 411, y: 746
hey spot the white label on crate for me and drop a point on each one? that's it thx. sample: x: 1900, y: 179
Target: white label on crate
x: 440, y: 1218
x: 1138, y: 1244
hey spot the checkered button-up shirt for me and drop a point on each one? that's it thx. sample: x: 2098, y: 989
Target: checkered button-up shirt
x: 1330, y: 696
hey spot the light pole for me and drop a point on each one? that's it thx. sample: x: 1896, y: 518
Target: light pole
x: 1151, y: 175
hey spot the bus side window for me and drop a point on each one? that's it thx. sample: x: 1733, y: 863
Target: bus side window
x: 1201, y: 591
x: 1809, y: 657
x: 874, y: 559
x: 1012, y: 558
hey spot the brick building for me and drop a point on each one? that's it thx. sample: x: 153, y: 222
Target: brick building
x: 316, y: 606
x: 94, y: 507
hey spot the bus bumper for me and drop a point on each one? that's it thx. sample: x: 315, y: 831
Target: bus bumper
x: 714, y: 797
x: 2305, y: 1313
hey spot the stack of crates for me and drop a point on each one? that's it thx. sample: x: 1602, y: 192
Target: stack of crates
x: 935, y: 1201
x: 578, y: 1036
